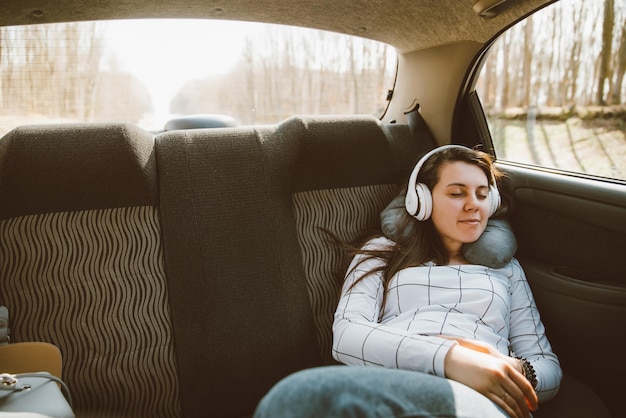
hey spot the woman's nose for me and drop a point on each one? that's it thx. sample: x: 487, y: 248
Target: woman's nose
x: 472, y: 203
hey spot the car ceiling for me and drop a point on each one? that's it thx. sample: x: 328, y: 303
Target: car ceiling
x: 408, y: 25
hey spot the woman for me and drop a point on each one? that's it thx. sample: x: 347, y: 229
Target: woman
x: 418, y: 305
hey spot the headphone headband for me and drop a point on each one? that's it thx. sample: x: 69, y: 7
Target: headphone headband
x: 422, y: 161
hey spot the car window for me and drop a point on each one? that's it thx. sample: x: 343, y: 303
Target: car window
x: 147, y: 71
x: 553, y: 89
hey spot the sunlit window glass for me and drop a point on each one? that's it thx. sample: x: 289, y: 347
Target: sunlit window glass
x: 553, y: 89
x: 147, y: 71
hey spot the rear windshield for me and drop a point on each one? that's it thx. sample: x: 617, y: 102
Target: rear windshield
x: 150, y: 71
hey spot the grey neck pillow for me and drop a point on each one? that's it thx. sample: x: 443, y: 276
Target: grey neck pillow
x: 495, y: 247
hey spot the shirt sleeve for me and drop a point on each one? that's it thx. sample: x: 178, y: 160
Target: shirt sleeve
x: 528, y: 338
x: 360, y: 339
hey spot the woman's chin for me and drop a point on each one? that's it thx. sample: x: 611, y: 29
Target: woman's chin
x: 470, y: 238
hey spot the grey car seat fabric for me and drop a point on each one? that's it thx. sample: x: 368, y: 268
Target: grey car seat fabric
x: 241, y: 312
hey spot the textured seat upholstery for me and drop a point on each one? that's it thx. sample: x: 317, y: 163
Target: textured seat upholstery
x: 81, y: 264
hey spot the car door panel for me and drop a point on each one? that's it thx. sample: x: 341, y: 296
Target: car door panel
x: 571, y: 234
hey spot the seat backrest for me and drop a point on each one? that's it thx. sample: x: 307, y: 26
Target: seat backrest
x: 346, y: 171
x: 81, y: 263
x: 239, y: 301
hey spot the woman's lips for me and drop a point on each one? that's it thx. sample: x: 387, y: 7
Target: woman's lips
x: 470, y: 221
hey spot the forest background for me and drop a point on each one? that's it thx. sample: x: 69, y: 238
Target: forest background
x: 566, y: 63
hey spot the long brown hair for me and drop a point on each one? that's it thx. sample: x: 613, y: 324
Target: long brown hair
x: 420, y: 242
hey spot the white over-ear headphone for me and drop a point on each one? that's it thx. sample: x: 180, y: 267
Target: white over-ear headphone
x: 419, y: 201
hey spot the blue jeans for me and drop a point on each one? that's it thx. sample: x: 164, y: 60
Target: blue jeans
x: 352, y: 391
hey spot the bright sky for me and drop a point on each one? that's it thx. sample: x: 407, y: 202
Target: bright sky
x: 164, y: 54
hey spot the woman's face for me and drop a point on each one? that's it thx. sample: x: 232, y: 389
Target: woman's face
x: 460, y: 204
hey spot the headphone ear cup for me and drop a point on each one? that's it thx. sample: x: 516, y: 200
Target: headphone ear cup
x: 410, y: 202
x: 494, y: 199
x: 425, y: 202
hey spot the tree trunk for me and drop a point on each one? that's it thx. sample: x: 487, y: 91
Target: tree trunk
x: 605, y: 53
x: 621, y: 68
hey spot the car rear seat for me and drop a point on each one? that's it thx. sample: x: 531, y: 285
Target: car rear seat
x: 81, y: 263
x: 252, y: 277
x: 241, y: 254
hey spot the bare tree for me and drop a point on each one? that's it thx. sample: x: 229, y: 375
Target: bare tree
x: 527, y: 65
x: 620, y: 68
x: 250, y: 90
x: 2, y: 36
x: 570, y: 81
x: 506, y: 87
x: 604, y: 72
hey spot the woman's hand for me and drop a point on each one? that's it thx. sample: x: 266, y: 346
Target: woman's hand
x: 487, y: 349
x: 493, y: 376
